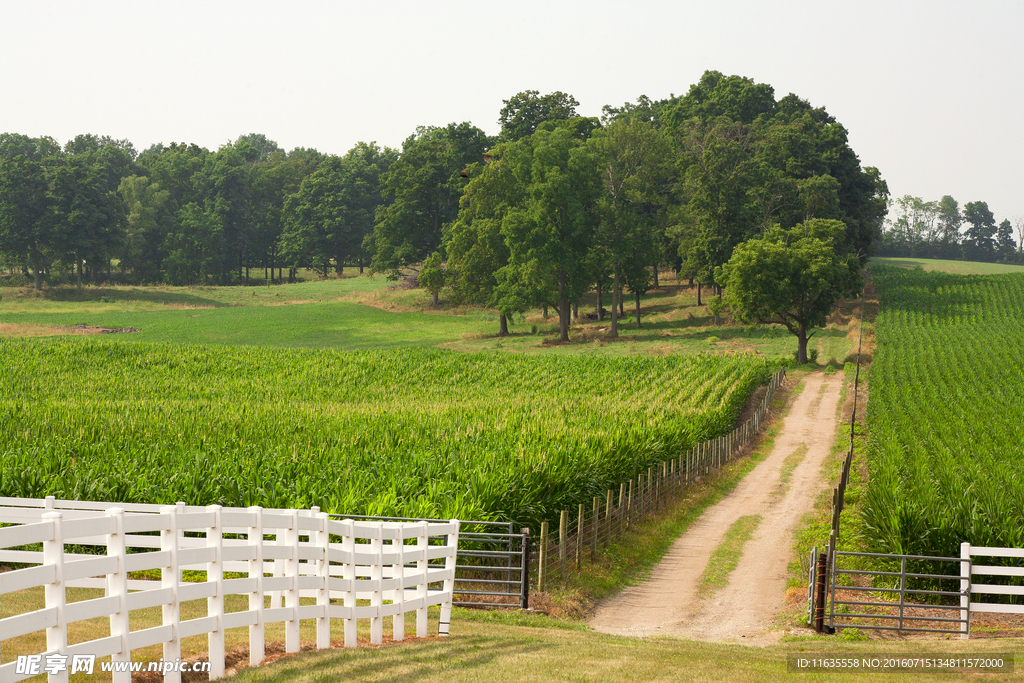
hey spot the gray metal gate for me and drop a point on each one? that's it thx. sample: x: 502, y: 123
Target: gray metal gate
x: 892, y: 614
x: 492, y: 565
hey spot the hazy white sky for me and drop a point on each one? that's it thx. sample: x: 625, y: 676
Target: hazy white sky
x: 932, y: 93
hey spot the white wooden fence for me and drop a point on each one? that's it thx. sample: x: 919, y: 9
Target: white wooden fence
x: 968, y: 585
x: 307, y: 554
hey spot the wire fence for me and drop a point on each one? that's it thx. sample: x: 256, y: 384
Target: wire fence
x: 579, y: 535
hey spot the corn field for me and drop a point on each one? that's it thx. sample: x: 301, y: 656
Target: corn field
x: 579, y: 535
x: 412, y: 433
x: 946, y: 413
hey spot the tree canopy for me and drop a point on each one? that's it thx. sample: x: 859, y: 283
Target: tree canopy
x: 791, y: 277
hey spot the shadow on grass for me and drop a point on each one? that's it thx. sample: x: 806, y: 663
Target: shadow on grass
x: 412, y: 661
x: 156, y: 296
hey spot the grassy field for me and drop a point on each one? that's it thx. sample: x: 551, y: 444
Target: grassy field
x: 513, y: 649
x: 954, y: 267
x: 370, y: 312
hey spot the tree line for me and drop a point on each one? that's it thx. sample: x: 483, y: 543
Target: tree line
x: 943, y: 230
x: 555, y: 206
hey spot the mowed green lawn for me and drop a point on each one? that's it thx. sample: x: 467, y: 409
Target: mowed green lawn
x: 365, y: 312
x: 955, y: 267
x: 338, y: 325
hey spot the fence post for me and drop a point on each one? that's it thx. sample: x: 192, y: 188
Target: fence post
x: 629, y: 506
x: 422, y: 541
x: 256, y: 632
x: 117, y: 586
x: 56, y: 592
x: 595, y: 528
x: 608, y: 518
x: 621, y: 508
x: 348, y: 575
x: 542, y: 560
x: 398, y: 596
x: 965, y: 591
x: 291, y: 570
x: 169, y: 578
x: 563, y: 529
x: 819, y: 593
x: 377, y: 580
x: 445, y: 620
x: 323, y: 572
x: 524, y: 573
x: 579, y: 534
x: 215, y: 603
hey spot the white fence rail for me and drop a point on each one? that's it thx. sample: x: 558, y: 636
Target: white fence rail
x: 969, y: 552
x: 306, y: 554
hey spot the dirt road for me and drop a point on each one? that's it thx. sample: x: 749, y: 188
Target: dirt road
x: 745, y: 610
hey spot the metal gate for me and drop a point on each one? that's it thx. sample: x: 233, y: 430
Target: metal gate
x: 895, y: 613
x: 492, y: 565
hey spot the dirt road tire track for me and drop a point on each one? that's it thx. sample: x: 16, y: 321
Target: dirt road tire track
x: 745, y: 610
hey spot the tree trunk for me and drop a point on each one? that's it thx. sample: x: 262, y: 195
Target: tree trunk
x: 433, y: 299
x: 78, y: 269
x: 691, y: 282
x: 616, y: 294
x: 39, y: 278
x: 656, y: 285
x: 502, y: 325
x: 545, y: 311
x: 360, y: 265
x: 600, y: 315
x: 801, y: 345
x: 698, y: 294
x: 563, y: 309
x: 247, y: 276
x: 637, y: 309
x: 339, y: 268
x: 575, y: 311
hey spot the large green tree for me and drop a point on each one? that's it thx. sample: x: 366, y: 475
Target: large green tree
x: 421, y: 191
x: 634, y: 163
x: 979, y: 243
x: 791, y: 277
x: 524, y: 112
x: 475, y: 243
x: 28, y: 225
x: 550, y: 236
x: 332, y: 213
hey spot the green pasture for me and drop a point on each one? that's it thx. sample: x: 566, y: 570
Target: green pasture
x: 954, y: 267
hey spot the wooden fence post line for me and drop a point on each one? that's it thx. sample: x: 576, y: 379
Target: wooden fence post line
x: 170, y: 577
x: 594, y: 528
x: 215, y: 603
x: 563, y: 528
x: 542, y: 560
x: 257, y: 642
x: 322, y: 540
x: 56, y: 592
x: 117, y: 587
x: 291, y: 570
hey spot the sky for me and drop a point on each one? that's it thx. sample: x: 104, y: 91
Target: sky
x: 932, y: 93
